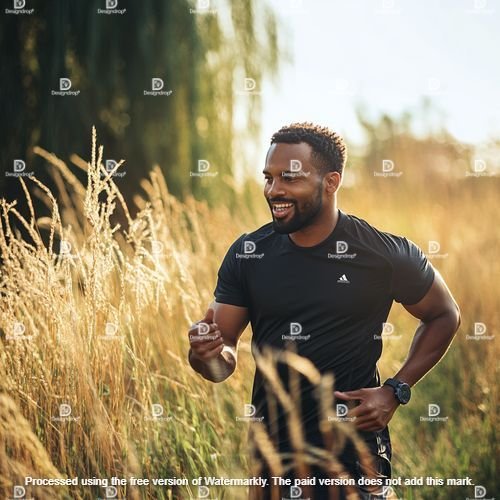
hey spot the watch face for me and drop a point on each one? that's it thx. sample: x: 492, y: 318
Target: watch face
x: 404, y: 393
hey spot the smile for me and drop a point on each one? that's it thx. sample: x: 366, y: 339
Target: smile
x: 281, y: 210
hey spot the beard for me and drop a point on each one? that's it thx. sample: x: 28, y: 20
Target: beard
x: 301, y: 217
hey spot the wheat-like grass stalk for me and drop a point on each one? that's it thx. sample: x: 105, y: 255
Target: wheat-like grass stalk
x: 335, y: 435
x: 114, y: 276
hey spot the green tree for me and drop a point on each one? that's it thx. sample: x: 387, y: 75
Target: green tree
x: 202, y: 56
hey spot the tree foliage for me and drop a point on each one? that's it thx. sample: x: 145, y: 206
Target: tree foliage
x: 203, y: 57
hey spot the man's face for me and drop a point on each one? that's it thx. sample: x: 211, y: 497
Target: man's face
x: 293, y: 186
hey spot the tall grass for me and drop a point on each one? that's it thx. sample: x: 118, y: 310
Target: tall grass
x: 95, y: 310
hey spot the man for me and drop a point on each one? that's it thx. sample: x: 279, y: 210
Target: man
x: 325, y: 281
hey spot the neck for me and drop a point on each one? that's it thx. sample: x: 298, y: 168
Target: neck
x: 318, y: 231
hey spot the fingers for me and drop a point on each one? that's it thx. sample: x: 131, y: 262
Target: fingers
x: 201, y: 348
x: 213, y: 353
x: 369, y: 424
x: 209, y: 351
x: 205, y: 340
x: 358, y: 411
x: 366, y: 417
x: 203, y: 330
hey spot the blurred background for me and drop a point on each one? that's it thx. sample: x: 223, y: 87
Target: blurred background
x: 373, y: 70
x: 188, y: 94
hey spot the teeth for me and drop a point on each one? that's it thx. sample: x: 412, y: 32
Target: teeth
x: 281, y: 206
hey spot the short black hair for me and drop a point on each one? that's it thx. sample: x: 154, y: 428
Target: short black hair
x: 329, y: 149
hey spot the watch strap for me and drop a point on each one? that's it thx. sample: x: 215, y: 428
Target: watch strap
x: 392, y: 382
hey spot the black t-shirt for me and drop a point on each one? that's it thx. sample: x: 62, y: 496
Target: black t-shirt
x: 330, y: 300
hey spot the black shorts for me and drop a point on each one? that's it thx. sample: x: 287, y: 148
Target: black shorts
x: 379, y: 445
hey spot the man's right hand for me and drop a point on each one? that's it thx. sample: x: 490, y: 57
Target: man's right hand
x: 207, y: 354
x: 205, y: 338
x: 214, y: 341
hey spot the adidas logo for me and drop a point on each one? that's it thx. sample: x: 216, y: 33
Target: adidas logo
x: 343, y: 279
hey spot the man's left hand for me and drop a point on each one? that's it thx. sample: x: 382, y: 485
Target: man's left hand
x: 376, y: 408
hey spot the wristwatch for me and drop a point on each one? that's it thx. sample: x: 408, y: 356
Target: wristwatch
x: 402, y: 390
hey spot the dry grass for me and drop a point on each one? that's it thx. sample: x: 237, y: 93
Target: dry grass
x: 104, y: 330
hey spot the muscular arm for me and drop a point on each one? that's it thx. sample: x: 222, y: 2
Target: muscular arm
x: 213, y: 354
x: 439, y: 320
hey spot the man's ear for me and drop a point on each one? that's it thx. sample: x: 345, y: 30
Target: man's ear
x: 332, y: 182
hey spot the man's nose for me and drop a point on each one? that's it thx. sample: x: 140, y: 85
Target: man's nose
x: 275, y: 189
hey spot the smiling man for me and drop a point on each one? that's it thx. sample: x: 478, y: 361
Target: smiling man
x: 326, y: 281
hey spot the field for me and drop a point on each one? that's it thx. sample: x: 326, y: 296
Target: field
x: 94, y: 319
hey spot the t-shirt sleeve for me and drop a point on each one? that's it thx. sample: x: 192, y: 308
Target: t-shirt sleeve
x: 230, y: 287
x: 412, y: 275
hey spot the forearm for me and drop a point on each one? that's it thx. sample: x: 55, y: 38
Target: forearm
x: 217, y: 369
x: 430, y: 343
